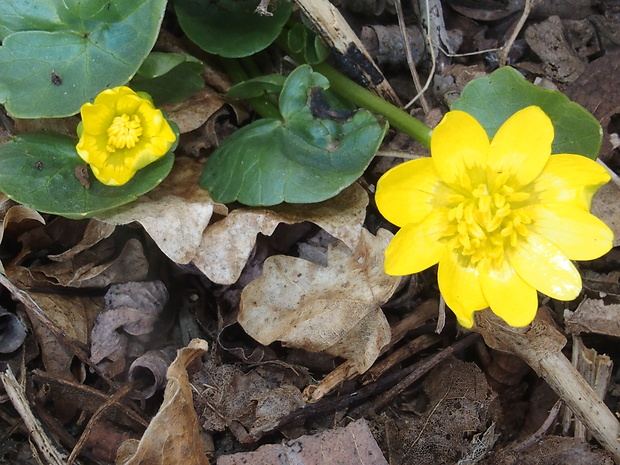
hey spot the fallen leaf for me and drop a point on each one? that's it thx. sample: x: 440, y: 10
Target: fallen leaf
x: 227, y: 244
x: 353, y: 445
x: 94, y: 233
x: 335, y: 309
x: 196, y: 110
x: 594, y: 316
x: 133, y: 308
x: 173, y: 436
x: 12, y: 332
x: 606, y: 206
x: 175, y: 213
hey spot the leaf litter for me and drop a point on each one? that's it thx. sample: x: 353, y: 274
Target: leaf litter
x: 290, y: 298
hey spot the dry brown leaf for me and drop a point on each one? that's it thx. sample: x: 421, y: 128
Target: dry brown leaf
x: 133, y: 308
x: 194, y: 111
x: 353, y: 445
x: 96, y: 266
x: 594, y: 316
x: 95, y: 232
x: 173, y: 436
x: 227, y: 244
x: 606, y: 206
x: 174, y: 214
x: 335, y: 309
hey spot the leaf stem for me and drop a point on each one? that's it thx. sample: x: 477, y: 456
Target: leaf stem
x: 358, y: 95
x: 262, y: 105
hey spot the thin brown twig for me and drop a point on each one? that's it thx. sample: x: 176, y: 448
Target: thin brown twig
x: 540, y: 432
x: 503, y: 54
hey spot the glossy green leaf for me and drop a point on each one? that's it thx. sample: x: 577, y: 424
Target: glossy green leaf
x: 257, y: 87
x: 493, y: 99
x: 56, y: 55
x: 305, y: 158
x: 303, y: 41
x: 38, y: 170
x: 231, y: 28
x: 169, y: 77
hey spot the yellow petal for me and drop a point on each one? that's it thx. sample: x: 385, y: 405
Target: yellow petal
x: 404, y: 191
x: 112, y: 175
x: 109, y: 97
x: 544, y: 267
x: 570, y: 179
x: 96, y: 119
x: 416, y: 247
x: 522, y: 145
x: 510, y: 298
x: 577, y: 233
x: 458, y: 143
x: 460, y: 288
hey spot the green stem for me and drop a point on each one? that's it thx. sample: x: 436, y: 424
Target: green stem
x: 262, y: 105
x: 356, y: 94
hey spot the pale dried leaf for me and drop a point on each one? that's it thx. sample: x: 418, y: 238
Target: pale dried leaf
x: 173, y: 436
x: 335, y: 309
x: 594, y: 316
x: 606, y: 206
x: 194, y: 111
x: 353, y: 445
x: 227, y: 244
x: 175, y: 213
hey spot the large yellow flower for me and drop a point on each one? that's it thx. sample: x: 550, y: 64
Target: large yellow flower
x: 502, y: 217
x: 121, y: 133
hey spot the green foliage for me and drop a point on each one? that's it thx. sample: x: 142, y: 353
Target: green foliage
x: 57, y: 55
x: 494, y: 99
x: 230, y: 28
x: 169, y: 77
x: 304, y: 158
x: 38, y: 170
x: 304, y: 42
x: 257, y: 87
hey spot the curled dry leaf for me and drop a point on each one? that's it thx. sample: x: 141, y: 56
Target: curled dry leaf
x: 12, y: 332
x: 196, y: 110
x: 594, y: 316
x: 175, y: 213
x: 95, y: 232
x: 16, y: 218
x: 132, y: 307
x: 228, y: 243
x: 151, y: 369
x: 173, y: 436
x: 335, y: 309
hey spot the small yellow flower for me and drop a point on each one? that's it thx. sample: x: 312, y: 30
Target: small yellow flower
x: 121, y: 133
x: 502, y: 217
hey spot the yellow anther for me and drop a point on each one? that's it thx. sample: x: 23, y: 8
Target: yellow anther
x: 124, y: 132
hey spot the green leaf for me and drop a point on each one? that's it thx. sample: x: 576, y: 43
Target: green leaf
x: 257, y: 87
x: 38, y: 170
x: 303, y: 41
x: 56, y: 55
x: 494, y: 99
x: 230, y: 28
x: 303, y: 159
x: 169, y: 77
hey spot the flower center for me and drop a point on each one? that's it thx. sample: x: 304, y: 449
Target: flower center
x: 486, y: 221
x: 124, y: 132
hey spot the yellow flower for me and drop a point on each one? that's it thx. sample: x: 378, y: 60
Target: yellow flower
x: 121, y: 133
x: 502, y: 217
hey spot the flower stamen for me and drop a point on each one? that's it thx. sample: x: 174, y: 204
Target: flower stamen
x: 124, y: 132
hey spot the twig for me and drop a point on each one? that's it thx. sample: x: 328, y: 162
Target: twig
x: 429, y: 40
x: 44, y: 443
x: 503, y: 55
x: 540, y: 432
x: 540, y: 345
x: 409, y: 56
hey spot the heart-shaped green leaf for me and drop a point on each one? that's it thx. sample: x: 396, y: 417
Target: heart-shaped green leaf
x: 257, y: 87
x: 57, y: 55
x: 308, y: 157
x: 39, y: 170
x: 230, y: 28
x: 169, y: 77
x: 494, y: 99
